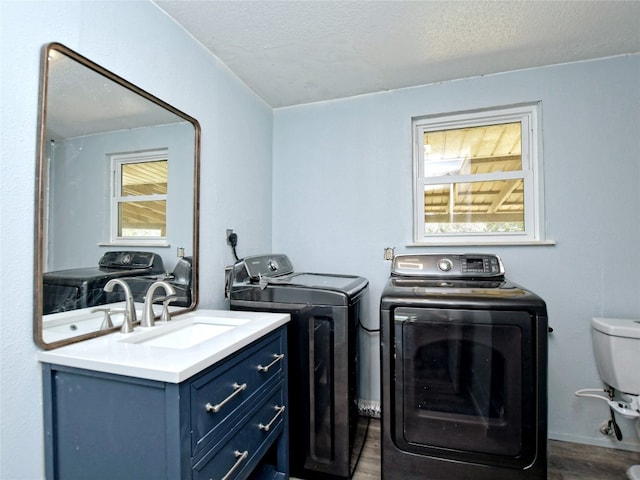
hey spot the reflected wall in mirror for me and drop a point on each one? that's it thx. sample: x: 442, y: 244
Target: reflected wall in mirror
x: 117, y: 197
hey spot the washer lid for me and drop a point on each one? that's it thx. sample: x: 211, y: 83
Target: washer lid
x: 344, y: 283
x: 617, y: 327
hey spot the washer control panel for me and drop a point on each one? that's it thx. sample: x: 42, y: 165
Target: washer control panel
x: 461, y: 265
x: 272, y: 265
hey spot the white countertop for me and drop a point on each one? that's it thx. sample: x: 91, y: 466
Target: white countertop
x: 127, y: 354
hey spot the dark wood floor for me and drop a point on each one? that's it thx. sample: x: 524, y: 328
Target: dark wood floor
x: 567, y: 461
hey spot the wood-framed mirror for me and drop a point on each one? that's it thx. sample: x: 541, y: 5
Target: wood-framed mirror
x: 117, y: 196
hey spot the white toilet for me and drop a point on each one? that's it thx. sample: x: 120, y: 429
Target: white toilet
x: 616, y: 345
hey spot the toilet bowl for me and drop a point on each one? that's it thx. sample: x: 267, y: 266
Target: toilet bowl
x: 616, y: 346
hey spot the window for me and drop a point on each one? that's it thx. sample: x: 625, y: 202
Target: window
x: 139, y: 199
x: 478, y: 177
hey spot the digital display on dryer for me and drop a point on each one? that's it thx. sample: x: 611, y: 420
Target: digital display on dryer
x: 475, y: 264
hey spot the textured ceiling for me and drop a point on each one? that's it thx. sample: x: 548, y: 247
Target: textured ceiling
x: 295, y: 52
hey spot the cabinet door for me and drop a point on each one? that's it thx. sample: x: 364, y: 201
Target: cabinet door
x: 101, y: 426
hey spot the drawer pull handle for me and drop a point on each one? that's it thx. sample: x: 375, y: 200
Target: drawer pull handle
x: 236, y: 390
x: 277, y: 356
x: 241, y: 457
x: 279, y: 411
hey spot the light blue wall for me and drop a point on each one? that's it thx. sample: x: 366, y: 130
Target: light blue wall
x: 140, y: 43
x: 80, y: 179
x: 343, y: 187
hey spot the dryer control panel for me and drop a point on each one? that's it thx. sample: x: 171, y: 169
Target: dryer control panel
x: 439, y: 265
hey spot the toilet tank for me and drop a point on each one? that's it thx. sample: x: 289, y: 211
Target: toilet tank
x: 616, y: 345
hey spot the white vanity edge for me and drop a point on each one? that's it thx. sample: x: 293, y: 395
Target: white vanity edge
x: 110, y: 354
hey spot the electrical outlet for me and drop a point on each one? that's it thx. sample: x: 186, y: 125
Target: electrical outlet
x: 388, y: 253
x: 229, y: 232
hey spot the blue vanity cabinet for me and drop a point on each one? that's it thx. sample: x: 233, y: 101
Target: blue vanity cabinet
x: 228, y: 421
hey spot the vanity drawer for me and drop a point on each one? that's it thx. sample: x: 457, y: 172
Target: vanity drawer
x: 219, y: 398
x: 237, y: 454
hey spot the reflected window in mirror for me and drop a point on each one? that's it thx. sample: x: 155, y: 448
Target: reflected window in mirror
x: 139, y: 199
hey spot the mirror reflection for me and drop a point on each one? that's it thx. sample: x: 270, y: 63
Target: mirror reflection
x: 117, y: 198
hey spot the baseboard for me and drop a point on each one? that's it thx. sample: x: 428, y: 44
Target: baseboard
x: 605, y: 442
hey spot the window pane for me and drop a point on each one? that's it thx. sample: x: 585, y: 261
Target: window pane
x: 142, y: 219
x: 474, y: 150
x: 474, y: 207
x: 144, y: 178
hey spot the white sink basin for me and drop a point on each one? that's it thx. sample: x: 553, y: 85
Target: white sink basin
x: 81, y: 324
x: 64, y: 325
x: 71, y: 324
x: 185, y: 333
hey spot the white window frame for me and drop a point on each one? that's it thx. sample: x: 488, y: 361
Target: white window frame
x: 529, y: 117
x: 117, y: 161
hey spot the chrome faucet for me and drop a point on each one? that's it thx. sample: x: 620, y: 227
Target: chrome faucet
x: 148, y: 318
x: 130, y: 307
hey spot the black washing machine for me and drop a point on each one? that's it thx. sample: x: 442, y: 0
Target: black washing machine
x: 463, y: 372
x: 322, y: 345
x: 76, y: 288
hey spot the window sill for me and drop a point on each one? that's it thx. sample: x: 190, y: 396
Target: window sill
x: 151, y: 243
x: 471, y: 243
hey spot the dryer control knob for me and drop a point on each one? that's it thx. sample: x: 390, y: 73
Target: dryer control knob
x: 445, y: 265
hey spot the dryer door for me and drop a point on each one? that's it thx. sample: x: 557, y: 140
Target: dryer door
x: 465, y: 384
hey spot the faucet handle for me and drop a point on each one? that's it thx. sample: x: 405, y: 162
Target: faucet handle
x: 165, y: 316
x: 106, y: 320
